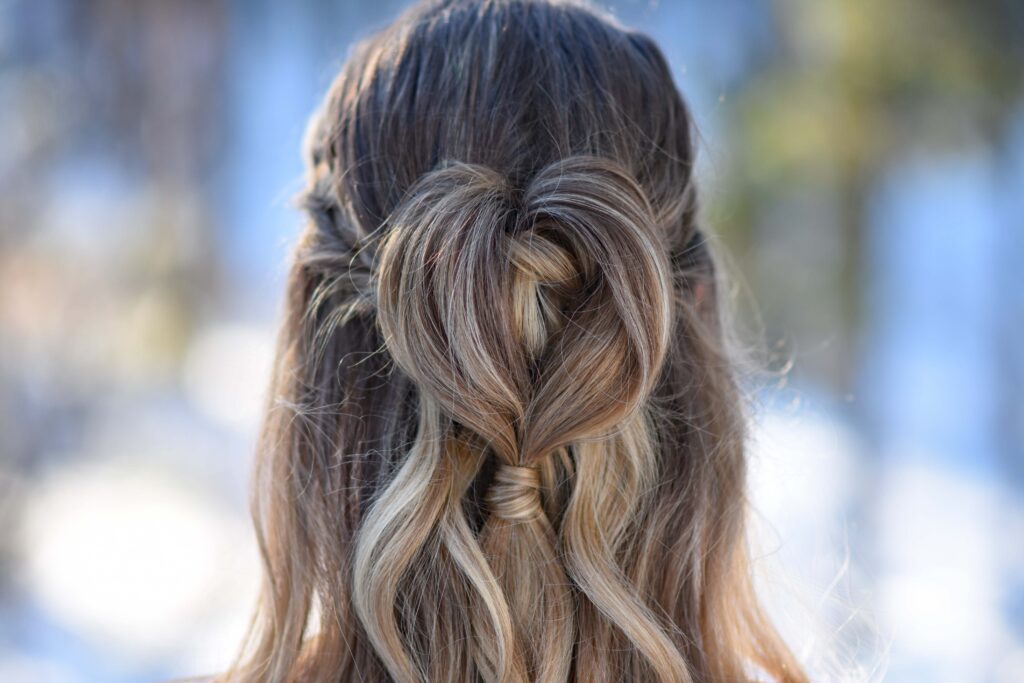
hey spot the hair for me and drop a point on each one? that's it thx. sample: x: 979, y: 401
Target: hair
x: 504, y: 439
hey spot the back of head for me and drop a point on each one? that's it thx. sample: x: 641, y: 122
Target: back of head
x: 503, y: 441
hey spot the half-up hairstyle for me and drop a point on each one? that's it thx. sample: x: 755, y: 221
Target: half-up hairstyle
x: 503, y: 439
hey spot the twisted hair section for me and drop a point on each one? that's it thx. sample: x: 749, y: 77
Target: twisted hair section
x: 503, y: 441
x: 536, y: 321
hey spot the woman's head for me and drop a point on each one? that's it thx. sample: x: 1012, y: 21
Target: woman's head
x: 503, y: 440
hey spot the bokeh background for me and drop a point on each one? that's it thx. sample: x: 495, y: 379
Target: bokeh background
x: 862, y: 162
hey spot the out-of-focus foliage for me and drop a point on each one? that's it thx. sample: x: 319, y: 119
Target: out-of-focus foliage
x: 852, y: 85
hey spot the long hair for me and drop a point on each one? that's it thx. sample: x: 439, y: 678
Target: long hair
x: 504, y: 440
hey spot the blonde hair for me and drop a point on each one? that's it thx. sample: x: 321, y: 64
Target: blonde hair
x: 503, y: 440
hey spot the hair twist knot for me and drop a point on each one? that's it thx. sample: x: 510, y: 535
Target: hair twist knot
x: 545, y: 279
x: 515, y: 492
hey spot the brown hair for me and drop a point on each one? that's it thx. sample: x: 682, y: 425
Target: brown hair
x: 503, y: 441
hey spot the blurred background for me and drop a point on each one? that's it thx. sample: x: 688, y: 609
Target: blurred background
x: 862, y: 163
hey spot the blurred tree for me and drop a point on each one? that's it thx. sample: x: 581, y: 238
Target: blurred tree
x: 853, y: 85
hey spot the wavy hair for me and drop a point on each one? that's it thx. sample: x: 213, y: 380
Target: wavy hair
x: 503, y: 440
